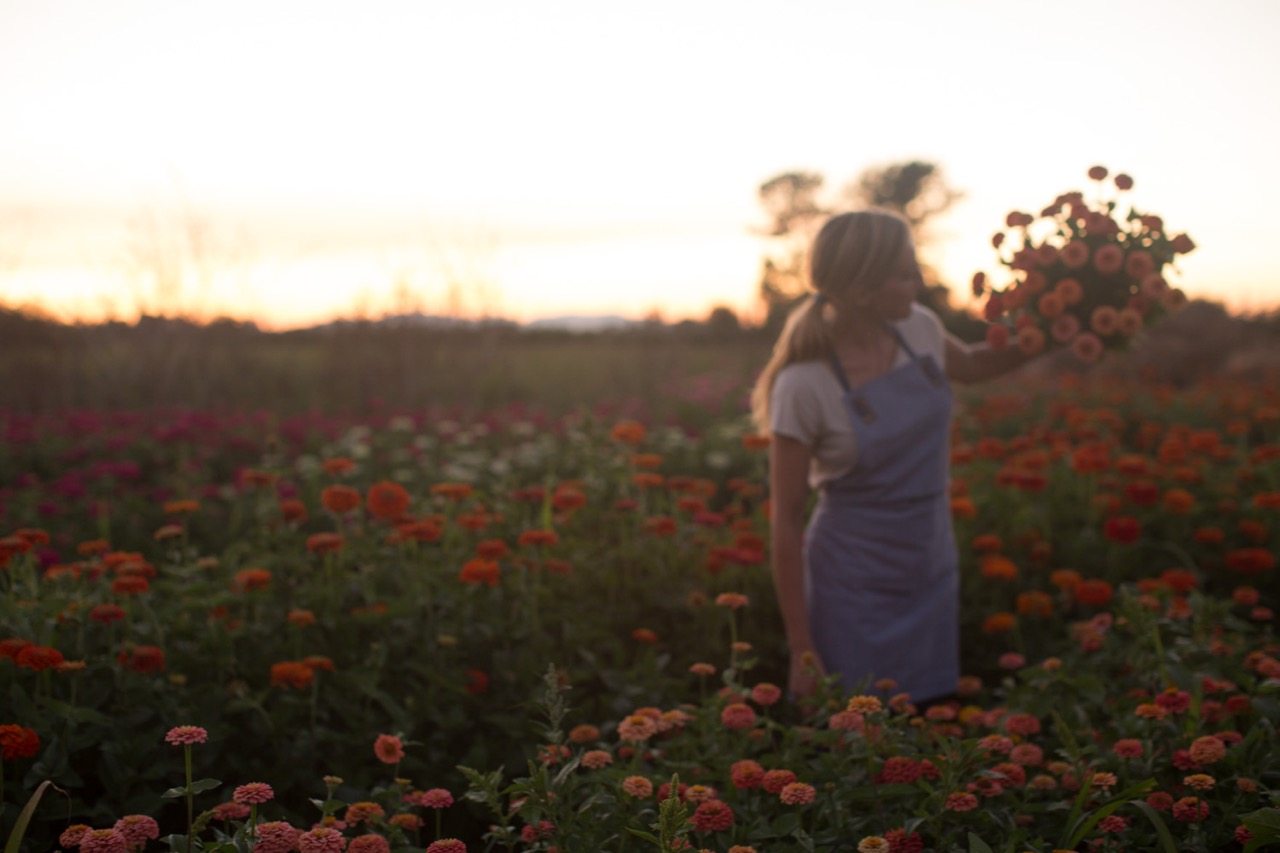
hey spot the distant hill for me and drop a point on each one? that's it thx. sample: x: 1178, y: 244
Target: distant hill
x: 583, y: 323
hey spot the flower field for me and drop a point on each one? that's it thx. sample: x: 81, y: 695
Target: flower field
x: 525, y: 631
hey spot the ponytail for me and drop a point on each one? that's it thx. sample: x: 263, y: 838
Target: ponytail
x: 805, y: 337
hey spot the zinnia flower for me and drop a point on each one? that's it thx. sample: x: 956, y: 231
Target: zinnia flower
x: 732, y: 600
x: 765, y: 694
x: 322, y: 839
x: 387, y: 500
x: 737, y: 716
x: 389, y: 749
x: 1187, y: 810
x: 797, y: 794
x: 339, y: 499
x: 71, y: 836
x: 138, y: 829
x: 596, y: 759
x: 447, y: 845
x: 746, y: 774
x: 775, y: 780
x: 183, y: 735
x: 713, y: 816
x: 253, y: 793
x: 18, y: 742
x: 637, y: 728
x: 1207, y: 750
x: 961, y: 801
x: 104, y: 841
x: 874, y: 844
x: 369, y: 844
x: 276, y: 836
x: 638, y: 787
x: 363, y: 812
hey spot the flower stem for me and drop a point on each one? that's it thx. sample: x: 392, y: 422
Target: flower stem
x: 186, y: 755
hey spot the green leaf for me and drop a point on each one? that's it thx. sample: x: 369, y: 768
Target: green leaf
x: 785, y: 826
x: 1265, y: 826
x: 647, y: 836
x: 201, y: 785
x: 977, y: 845
x: 1162, y: 832
x: 174, y: 793
x: 24, y: 818
x: 1106, y: 809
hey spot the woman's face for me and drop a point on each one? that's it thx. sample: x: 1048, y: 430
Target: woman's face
x: 892, y: 300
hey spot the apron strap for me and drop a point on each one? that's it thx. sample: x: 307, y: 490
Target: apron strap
x: 838, y: 368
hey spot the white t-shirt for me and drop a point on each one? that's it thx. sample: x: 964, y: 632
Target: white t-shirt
x: 806, y: 402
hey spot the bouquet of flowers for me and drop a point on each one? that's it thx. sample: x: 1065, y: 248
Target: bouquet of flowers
x: 1082, y: 277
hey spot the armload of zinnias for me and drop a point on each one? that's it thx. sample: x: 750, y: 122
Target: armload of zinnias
x: 1083, y: 277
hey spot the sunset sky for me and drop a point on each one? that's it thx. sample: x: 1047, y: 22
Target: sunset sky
x: 309, y: 160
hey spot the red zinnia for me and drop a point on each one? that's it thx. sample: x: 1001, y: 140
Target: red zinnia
x: 1093, y: 592
x: 713, y: 816
x: 18, y: 742
x: 339, y: 499
x: 387, y: 500
x: 1122, y: 529
x: 38, y: 658
x: 144, y: 659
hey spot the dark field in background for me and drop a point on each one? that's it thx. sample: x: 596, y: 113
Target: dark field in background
x: 689, y: 371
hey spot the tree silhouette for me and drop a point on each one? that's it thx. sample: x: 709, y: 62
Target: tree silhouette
x: 914, y: 188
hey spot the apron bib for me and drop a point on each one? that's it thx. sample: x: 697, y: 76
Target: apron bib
x: 881, y: 571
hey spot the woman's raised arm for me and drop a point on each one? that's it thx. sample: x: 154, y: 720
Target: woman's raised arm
x: 979, y: 362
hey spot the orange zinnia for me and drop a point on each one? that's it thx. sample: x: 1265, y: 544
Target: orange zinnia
x: 998, y: 567
x: 479, y: 571
x: 339, y: 499
x: 324, y: 543
x: 1093, y: 592
x: 628, y: 432
x: 998, y: 623
x: 387, y: 500
x: 1034, y: 603
x: 291, y: 673
x: 536, y: 538
x: 452, y: 491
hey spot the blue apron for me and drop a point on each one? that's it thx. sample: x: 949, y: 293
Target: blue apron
x: 881, y: 568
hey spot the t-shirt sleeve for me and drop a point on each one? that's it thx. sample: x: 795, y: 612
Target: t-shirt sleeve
x: 933, y: 335
x: 794, y: 409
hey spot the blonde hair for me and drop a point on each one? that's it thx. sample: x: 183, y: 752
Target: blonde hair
x: 853, y: 252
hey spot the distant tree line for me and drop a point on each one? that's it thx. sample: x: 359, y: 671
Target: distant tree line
x: 796, y: 207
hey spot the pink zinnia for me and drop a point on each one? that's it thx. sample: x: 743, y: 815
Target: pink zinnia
x: 1127, y: 748
x: 775, y: 780
x: 253, y: 793
x: 230, y: 811
x: 746, y: 774
x: 797, y: 794
x: 447, y: 845
x: 737, y: 716
x: 436, y: 798
x: 765, y: 694
x: 138, y: 829
x: 713, y: 816
x: 322, y: 839
x: 1027, y: 755
x: 185, y: 735
x: 389, y: 749
x: 276, y: 836
x: 960, y: 801
x: 369, y: 844
x: 104, y: 841
x: 1207, y: 750
x: 71, y: 836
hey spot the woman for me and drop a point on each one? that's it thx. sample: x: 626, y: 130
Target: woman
x: 857, y: 400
